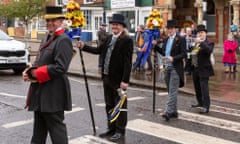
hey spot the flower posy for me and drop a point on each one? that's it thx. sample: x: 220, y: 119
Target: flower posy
x: 74, y: 14
x: 154, y: 20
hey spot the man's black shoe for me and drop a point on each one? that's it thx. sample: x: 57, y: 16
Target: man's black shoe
x: 197, y: 105
x: 107, y: 134
x: 117, y: 137
x: 173, y: 115
x: 204, y: 111
x: 167, y: 116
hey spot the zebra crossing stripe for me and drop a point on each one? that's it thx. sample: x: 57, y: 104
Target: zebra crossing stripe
x: 89, y: 139
x: 210, y: 121
x: 129, y: 99
x: 173, y: 134
x: 28, y: 121
x: 225, y: 110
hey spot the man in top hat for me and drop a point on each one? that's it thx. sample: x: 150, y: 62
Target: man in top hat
x: 49, y: 93
x: 202, y: 69
x: 117, y: 52
x: 174, y: 50
x: 102, y: 35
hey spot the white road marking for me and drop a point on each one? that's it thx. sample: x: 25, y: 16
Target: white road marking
x: 208, y: 120
x: 162, y: 93
x: 89, y: 139
x: 225, y: 110
x: 12, y: 95
x: 173, y: 134
x: 24, y: 122
x: 129, y: 99
x: 211, y: 121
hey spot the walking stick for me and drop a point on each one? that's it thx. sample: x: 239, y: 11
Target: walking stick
x: 87, y: 89
x: 154, y: 79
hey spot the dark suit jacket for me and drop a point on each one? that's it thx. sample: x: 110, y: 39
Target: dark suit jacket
x: 53, y: 95
x: 121, y: 59
x: 178, y: 52
x: 204, y: 64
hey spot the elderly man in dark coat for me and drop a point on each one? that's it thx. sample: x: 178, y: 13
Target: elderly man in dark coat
x: 174, y: 51
x: 49, y: 93
x: 202, y: 69
x: 117, y: 62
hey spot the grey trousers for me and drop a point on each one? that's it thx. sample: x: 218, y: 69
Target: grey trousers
x: 172, y: 81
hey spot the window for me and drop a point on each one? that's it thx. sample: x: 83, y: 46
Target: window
x: 89, y: 1
x: 88, y: 16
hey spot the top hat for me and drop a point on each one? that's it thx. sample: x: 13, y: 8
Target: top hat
x: 103, y: 24
x: 172, y: 23
x: 233, y: 28
x: 118, y: 18
x: 201, y: 27
x: 53, y: 12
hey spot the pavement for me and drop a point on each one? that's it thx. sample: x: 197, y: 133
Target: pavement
x: 223, y: 87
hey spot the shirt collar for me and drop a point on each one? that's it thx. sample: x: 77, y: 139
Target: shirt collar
x: 116, y: 35
x: 173, y: 36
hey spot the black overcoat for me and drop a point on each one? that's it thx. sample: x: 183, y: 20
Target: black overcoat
x: 53, y: 95
x: 178, y: 52
x: 205, y: 68
x: 120, y: 61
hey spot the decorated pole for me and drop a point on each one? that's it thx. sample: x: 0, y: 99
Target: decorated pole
x: 154, y: 23
x: 75, y: 20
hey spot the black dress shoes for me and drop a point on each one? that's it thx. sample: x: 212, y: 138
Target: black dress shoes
x: 107, y: 134
x: 167, y: 116
x: 204, y: 111
x: 117, y: 137
x: 196, y: 105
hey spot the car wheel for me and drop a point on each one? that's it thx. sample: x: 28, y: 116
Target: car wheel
x: 18, y: 71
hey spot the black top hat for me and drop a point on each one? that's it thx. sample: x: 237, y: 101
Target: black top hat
x: 118, y: 18
x: 52, y: 12
x: 172, y: 23
x: 201, y: 27
x: 103, y: 24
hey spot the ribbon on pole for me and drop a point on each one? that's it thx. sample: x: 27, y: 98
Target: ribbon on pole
x: 115, y: 112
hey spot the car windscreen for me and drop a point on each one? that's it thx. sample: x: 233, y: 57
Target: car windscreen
x: 4, y: 36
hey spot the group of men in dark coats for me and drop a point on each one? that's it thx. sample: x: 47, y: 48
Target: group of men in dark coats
x: 49, y: 93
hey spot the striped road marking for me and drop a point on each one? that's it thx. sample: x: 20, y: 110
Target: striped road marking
x: 208, y: 120
x: 24, y: 122
x: 89, y: 139
x: 12, y: 95
x: 173, y: 134
x: 129, y: 99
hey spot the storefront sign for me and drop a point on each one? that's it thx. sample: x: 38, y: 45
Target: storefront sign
x: 122, y: 3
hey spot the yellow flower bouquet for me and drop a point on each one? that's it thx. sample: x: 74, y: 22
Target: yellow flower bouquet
x: 74, y: 15
x: 154, y: 20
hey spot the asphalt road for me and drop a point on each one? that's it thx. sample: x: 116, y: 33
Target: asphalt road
x: 220, y: 126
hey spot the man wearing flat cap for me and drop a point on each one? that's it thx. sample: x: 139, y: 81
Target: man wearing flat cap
x: 202, y: 69
x: 49, y: 93
x: 174, y: 51
x: 117, y: 52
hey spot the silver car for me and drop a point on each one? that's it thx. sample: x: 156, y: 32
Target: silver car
x: 13, y: 54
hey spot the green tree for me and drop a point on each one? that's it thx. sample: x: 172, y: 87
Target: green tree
x: 25, y: 10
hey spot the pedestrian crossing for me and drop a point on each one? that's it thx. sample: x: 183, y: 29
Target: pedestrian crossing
x: 160, y: 130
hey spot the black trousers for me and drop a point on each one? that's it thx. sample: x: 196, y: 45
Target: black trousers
x: 49, y: 122
x: 111, y: 98
x: 201, y: 89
